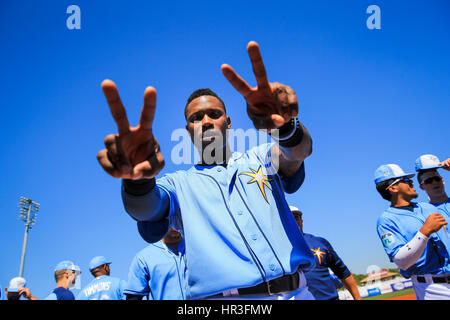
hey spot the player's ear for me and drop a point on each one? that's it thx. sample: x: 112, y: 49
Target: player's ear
x: 421, y: 187
x: 393, y: 189
x: 228, y: 122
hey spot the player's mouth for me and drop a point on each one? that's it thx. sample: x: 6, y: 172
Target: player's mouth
x: 209, y: 135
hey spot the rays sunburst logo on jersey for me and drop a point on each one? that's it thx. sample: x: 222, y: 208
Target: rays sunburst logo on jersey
x: 261, y: 179
x: 319, y: 254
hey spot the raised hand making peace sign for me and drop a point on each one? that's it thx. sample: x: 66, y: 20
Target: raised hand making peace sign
x: 133, y: 153
x: 269, y: 105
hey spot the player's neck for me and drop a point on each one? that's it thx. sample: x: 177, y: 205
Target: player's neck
x: 171, y: 241
x: 400, y: 202
x: 215, y: 156
x: 439, y: 198
x: 62, y: 284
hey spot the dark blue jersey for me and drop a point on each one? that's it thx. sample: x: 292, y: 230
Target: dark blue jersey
x: 61, y: 293
x: 320, y: 283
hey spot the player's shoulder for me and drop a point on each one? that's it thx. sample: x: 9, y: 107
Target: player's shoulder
x: 426, y: 206
x: 115, y: 279
x: 259, y: 151
x: 321, y: 240
x: 384, y: 218
x: 149, y: 250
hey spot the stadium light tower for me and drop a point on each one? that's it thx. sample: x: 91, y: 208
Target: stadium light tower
x: 28, y: 214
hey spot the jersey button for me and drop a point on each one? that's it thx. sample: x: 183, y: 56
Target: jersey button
x: 254, y: 237
x: 240, y: 212
x: 272, y: 267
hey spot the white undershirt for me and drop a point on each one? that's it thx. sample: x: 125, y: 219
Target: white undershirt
x: 411, y: 252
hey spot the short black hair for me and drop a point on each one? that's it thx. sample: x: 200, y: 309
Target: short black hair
x: 421, y: 172
x: 382, y: 189
x: 202, y: 92
x: 297, y: 213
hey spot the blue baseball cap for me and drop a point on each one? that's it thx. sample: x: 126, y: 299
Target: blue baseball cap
x: 427, y: 161
x: 390, y: 171
x: 97, y: 262
x: 67, y: 265
x: 16, y: 283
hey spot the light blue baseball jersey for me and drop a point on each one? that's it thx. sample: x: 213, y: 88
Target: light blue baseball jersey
x: 238, y: 227
x: 158, y: 273
x: 444, y: 207
x: 397, y: 226
x: 103, y: 288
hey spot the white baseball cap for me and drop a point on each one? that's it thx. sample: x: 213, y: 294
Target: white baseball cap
x: 294, y: 208
x: 427, y: 161
x: 17, y: 283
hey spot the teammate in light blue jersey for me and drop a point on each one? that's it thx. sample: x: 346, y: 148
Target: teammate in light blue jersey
x: 241, y: 238
x: 158, y: 271
x: 414, y: 235
x: 104, y: 286
x: 432, y: 182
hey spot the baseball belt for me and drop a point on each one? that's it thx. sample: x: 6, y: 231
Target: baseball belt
x: 286, y: 283
x: 434, y: 279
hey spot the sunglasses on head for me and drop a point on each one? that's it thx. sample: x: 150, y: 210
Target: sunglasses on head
x: 431, y: 179
x: 405, y: 180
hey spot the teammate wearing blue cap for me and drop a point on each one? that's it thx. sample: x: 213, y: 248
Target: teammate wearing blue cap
x: 158, y: 271
x: 66, y: 273
x: 320, y: 282
x: 241, y: 238
x: 104, y: 286
x: 432, y: 182
x: 414, y: 235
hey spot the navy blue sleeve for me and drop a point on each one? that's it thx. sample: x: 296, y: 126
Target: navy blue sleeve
x: 336, y: 264
x: 153, y: 231
x: 292, y: 184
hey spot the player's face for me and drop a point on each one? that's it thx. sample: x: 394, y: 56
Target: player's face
x: 299, y: 220
x: 172, y: 236
x: 406, y: 189
x: 207, y: 122
x: 432, y: 183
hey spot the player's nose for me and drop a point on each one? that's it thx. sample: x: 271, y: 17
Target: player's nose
x: 206, y: 120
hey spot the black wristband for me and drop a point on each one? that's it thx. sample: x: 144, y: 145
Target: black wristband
x: 289, y: 138
x: 286, y: 128
x: 138, y: 187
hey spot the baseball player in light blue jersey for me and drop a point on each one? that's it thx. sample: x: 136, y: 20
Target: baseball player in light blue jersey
x: 414, y: 235
x: 158, y: 271
x: 241, y: 239
x: 431, y: 181
x: 104, y: 286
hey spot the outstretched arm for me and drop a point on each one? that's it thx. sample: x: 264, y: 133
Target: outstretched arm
x: 133, y: 154
x: 273, y: 107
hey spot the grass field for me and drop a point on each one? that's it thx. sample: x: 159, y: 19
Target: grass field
x: 396, y: 295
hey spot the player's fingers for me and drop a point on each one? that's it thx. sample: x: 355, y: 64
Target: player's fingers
x: 107, y: 165
x: 115, y: 105
x: 258, y: 65
x: 263, y: 122
x: 293, y: 102
x: 236, y: 81
x: 115, y: 153
x: 445, y: 164
x: 278, y: 120
x: 150, y: 167
x: 148, y: 110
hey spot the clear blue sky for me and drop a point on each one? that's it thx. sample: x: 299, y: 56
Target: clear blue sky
x: 368, y: 97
